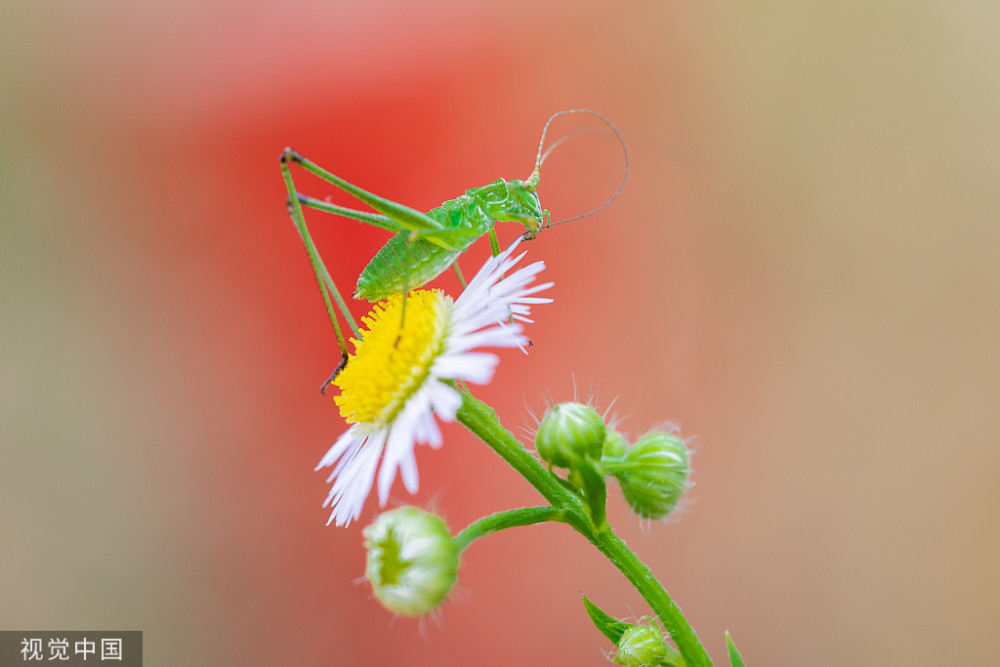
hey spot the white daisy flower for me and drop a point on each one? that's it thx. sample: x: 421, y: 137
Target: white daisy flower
x: 394, y: 383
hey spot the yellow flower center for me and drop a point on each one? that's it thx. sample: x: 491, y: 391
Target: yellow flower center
x: 391, y: 362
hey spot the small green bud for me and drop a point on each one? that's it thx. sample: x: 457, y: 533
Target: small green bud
x: 570, y: 432
x: 614, y: 445
x: 655, y: 474
x: 641, y: 646
x: 412, y: 560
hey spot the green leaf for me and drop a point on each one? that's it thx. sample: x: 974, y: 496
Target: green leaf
x: 734, y: 655
x: 610, y: 627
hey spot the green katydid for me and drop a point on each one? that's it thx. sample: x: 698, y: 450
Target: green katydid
x: 424, y: 245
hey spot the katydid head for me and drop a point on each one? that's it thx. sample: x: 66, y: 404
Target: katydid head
x: 522, y: 206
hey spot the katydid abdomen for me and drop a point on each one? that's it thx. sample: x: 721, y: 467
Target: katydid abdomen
x: 402, y: 264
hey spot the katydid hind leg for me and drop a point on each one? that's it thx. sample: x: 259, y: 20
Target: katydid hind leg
x: 446, y: 238
x: 392, y: 217
x: 334, y: 374
x: 407, y: 217
x: 375, y: 219
x: 392, y: 222
x: 332, y: 298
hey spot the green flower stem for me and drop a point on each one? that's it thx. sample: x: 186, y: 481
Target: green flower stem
x: 482, y: 420
x: 524, y: 516
x: 653, y: 592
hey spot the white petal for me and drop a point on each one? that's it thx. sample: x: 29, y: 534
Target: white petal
x: 408, y: 470
x: 429, y: 433
x: 477, y: 367
x: 399, y: 445
x: 346, y: 459
x: 444, y: 400
x: 343, y: 443
x: 498, y: 336
x: 355, y: 482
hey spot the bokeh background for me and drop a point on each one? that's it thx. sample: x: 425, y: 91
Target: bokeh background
x: 802, y: 271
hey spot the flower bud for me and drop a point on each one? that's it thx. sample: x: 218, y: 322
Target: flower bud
x: 641, y: 646
x: 412, y: 560
x: 655, y: 474
x: 570, y: 432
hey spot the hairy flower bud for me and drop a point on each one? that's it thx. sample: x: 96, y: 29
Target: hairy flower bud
x: 412, y: 560
x: 655, y: 474
x: 641, y: 646
x: 570, y: 432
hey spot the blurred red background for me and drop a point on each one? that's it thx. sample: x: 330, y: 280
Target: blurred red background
x: 802, y: 271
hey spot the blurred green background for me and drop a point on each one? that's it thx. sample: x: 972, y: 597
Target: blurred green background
x: 803, y: 271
